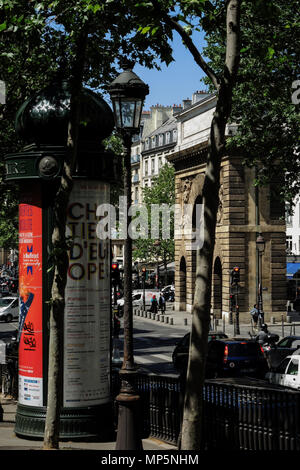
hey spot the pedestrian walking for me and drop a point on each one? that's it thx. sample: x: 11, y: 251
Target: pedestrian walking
x: 154, y: 304
x: 254, y: 314
x: 162, y: 303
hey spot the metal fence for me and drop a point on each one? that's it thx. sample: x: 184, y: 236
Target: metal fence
x: 9, y: 371
x: 238, y: 414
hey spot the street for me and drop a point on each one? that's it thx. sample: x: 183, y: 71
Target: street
x: 154, y: 344
x: 8, y: 327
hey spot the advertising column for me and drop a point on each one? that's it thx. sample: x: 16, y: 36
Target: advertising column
x: 31, y: 301
x: 88, y: 300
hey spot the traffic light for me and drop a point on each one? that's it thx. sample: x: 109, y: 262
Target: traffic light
x: 235, y: 275
x: 115, y: 274
x: 232, y: 301
x: 144, y: 272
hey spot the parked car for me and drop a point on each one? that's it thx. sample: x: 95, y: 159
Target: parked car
x: 181, y: 352
x: 287, y: 373
x: 9, y: 308
x: 285, y: 347
x: 4, y: 287
x: 229, y: 358
x: 8, y: 336
x: 137, y: 298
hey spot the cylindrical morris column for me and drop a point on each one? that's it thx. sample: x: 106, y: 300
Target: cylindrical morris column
x: 87, y: 404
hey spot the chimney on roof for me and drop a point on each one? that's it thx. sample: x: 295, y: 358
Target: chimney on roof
x: 176, y: 108
x: 186, y: 103
x: 199, y: 95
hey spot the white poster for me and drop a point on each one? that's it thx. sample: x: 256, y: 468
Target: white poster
x: 30, y: 391
x: 88, y: 300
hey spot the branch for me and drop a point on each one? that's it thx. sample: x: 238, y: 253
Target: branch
x: 186, y: 39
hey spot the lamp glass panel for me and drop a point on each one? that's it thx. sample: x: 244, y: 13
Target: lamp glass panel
x: 117, y: 113
x: 127, y: 113
x: 260, y: 246
x: 138, y: 111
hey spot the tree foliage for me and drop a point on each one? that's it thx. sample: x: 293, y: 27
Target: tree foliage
x: 268, y: 121
x: 160, y: 193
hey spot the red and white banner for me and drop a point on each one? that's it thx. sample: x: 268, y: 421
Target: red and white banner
x: 31, y: 299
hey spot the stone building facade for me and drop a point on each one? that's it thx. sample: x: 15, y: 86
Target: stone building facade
x: 244, y: 212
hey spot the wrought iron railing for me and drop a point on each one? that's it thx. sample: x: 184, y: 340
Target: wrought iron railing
x: 238, y: 414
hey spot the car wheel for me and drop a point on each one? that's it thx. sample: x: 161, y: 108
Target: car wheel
x: 8, y: 318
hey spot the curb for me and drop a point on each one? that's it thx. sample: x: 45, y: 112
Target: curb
x: 162, y: 318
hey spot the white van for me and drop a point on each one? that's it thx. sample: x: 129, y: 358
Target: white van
x: 287, y: 373
x: 137, y: 298
x: 9, y: 308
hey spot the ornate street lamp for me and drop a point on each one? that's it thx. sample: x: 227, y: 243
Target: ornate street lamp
x: 127, y: 93
x: 260, y: 246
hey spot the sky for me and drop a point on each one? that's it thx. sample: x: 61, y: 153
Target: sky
x: 176, y: 82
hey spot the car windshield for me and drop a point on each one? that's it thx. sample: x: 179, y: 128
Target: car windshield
x: 284, y: 343
x: 243, y: 349
x: 293, y: 367
x: 136, y: 296
x: 5, y: 302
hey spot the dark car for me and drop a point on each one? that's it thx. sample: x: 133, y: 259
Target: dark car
x: 232, y: 358
x: 285, y: 347
x: 8, y: 336
x: 181, y: 352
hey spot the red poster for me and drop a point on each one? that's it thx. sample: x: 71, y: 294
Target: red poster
x: 31, y: 301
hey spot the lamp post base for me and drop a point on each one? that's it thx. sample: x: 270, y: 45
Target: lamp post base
x: 129, y: 418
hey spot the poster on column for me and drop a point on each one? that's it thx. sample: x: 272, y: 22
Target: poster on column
x: 87, y: 313
x: 31, y: 300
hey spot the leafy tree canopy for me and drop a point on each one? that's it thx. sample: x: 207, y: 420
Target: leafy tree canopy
x: 268, y: 121
x: 161, y: 192
x: 39, y: 40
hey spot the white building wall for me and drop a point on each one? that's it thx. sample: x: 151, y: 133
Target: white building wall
x: 293, y: 229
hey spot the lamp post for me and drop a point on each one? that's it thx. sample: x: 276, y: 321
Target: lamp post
x: 127, y: 93
x: 260, y: 246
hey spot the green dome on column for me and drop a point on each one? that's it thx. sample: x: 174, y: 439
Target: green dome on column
x: 43, y: 118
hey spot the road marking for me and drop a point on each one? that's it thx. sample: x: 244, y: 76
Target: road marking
x: 146, y: 360
x: 162, y: 356
x: 142, y: 360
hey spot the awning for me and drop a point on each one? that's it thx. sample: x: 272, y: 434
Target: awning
x: 291, y: 269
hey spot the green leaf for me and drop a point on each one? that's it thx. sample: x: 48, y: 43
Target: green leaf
x: 146, y: 29
x: 271, y: 52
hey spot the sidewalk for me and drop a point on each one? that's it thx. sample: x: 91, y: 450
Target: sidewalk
x: 9, y: 441
x: 183, y: 320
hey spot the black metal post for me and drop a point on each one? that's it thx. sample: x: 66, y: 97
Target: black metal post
x: 237, y: 312
x: 260, y: 298
x: 128, y: 434
x: 144, y: 300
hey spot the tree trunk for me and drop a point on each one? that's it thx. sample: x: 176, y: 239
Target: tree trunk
x: 193, y: 410
x: 61, y: 258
